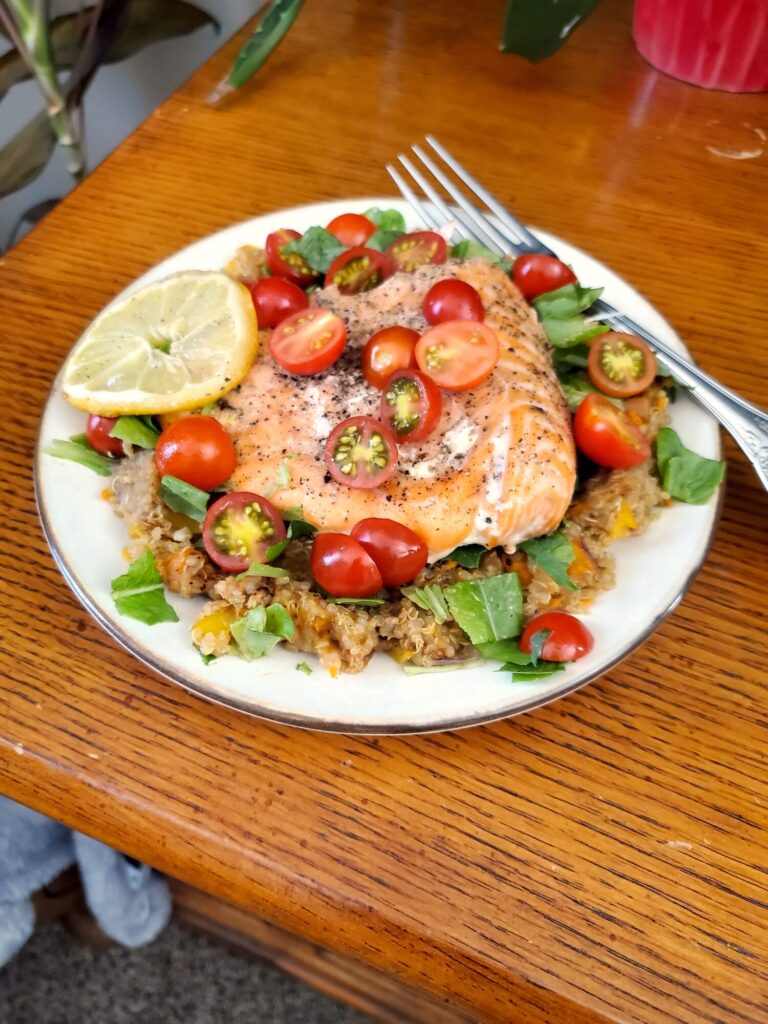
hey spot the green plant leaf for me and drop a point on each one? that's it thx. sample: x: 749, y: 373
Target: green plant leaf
x: 554, y: 554
x: 535, y: 29
x: 279, y: 17
x: 27, y: 153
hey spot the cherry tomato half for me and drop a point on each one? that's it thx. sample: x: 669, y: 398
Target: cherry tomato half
x: 238, y: 529
x: 291, y: 266
x: 342, y: 566
x: 399, y: 553
x: 197, y: 450
x: 621, y: 365
x: 361, y: 452
x: 309, y: 341
x: 457, y: 354
x: 97, y: 430
x: 275, y: 299
x: 410, y: 405
x: 409, y: 252
x: 390, y: 349
x: 352, y: 228
x: 452, y: 300
x: 535, y: 273
x: 356, y: 270
x: 607, y: 435
x: 569, y: 640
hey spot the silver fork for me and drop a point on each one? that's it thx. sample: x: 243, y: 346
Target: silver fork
x: 746, y: 423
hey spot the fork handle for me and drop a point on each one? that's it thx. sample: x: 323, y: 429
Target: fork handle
x: 746, y: 423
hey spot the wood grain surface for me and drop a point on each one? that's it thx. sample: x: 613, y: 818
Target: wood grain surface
x: 600, y: 860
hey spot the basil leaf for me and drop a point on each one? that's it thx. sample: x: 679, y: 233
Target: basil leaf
x: 429, y: 598
x: 469, y: 249
x: 571, y: 331
x: 468, y: 555
x: 259, y: 569
x: 318, y: 247
x: 136, y: 430
x: 139, y: 592
x: 370, y: 602
x: 565, y: 302
x: 420, y: 670
x: 78, y: 450
x: 488, y: 609
x: 382, y: 238
x: 261, y: 630
x: 538, y: 640
x: 304, y: 667
x: 554, y: 554
x: 521, y: 674
x: 299, y: 528
x: 275, y: 550
x: 386, y: 220
x: 685, y: 475
x: 183, y: 497
x: 504, y: 650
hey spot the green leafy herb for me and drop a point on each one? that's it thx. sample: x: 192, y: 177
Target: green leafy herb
x: 537, y: 28
x: 279, y: 17
x: 420, y: 670
x: 468, y: 555
x: 370, y: 602
x: 566, y: 360
x: 139, y: 592
x: 318, y: 247
x: 430, y: 599
x: 282, y: 477
x: 571, y: 331
x: 386, y: 220
x: 529, y: 673
x: 685, y: 475
x: 538, y: 640
x: 183, y: 497
x: 261, y: 630
x: 566, y: 302
x: 554, y: 554
x: 78, y: 450
x: 576, y: 386
x: 136, y: 430
x: 382, y: 238
x: 304, y: 667
x: 469, y: 249
x: 275, y: 550
x: 507, y: 651
x: 207, y: 658
x: 208, y: 408
x: 488, y: 609
x: 260, y: 569
x: 300, y: 528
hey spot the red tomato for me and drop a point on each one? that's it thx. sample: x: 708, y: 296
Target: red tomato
x: 534, y: 274
x: 410, y: 405
x: 275, y: 299
x: 607, y: 435
x: 621, y: 365
x: 389, y: 349
x: 570, y: 639
x: 197, y: 450
x: 452, y: 300
x: 409, y: 252
x: 458, y: 354
x: 399, y: 553
x: 361, y: 452
x: 97, y: 430
x: 356, y: 270
x: 291, y: 266
x: 238, y: 529
x: 352, y: 228
x: 309, y: 341
x: 343, y: 567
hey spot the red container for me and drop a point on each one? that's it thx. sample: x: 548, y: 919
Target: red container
x: 719, y: 44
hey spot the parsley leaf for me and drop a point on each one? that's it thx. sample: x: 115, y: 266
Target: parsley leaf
x: 554, y: 554
x: 137, y: 430
x: 139, y: 592
x: 487, y: 609
x: 468, y: 555
x: 429, y: 598
x: 685, y: 475
x: 318, y: 247
x: 184, y: 498
x: 386, y: 220
x: 78, y: 450
x: 261, y: 629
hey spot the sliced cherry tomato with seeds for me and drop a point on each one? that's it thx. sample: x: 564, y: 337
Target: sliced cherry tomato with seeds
x: 97, y: 430
x: 361, y: 452
x: 352, y: 228
x: 411, y: 251
x: 309, y: 341
x: 621, y: 365
x: 197, y: 450
x: 274, y: 299
x: 458, y: 354
x: 534, y: 274
x: 342, y: 566
x: 238, y: 529
x: 411, y: 405
x: 399, y: 553
x: 291, y: 266
x: 607, y: 435
x: 452, y: 299
x: 569, y: 638
x: 389, y: 349
x: 356, y: 270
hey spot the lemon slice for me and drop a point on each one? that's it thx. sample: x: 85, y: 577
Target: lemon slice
x: 176, y: 344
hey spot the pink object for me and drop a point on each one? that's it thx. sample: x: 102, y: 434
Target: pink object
x: 719, y: 44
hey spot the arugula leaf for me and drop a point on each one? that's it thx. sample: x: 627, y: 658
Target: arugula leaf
x: 523, y: 674
x: 183, y: 497
x: 507, y: 651
x: 538, y: 640
x: 382, y: 238
x: 468, y: 555
x: 275, y: 550
x: 78, y: 450
x: 283, y: 477
x: 429, y: 598
x: 570, y: 331
x: 386, y: 220
x: 685, y: 475
x: 554, y: 554
x: 261, y: 629
x: 419, y: 670
x: 469, y: 249
x: 304, y: 667
x: 318, y: 247
x: 260, y: 569
x: 488, y: 609
x: 370, y: 602
x: 139, y: 592
x: 136, y: 430
x: 565, y: 302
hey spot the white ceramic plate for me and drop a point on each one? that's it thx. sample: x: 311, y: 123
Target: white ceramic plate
x: 652, y: 571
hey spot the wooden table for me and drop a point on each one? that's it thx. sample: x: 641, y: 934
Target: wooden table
x: 599, y: 860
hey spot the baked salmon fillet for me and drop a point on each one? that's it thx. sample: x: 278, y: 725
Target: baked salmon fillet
x: 499, y: 468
